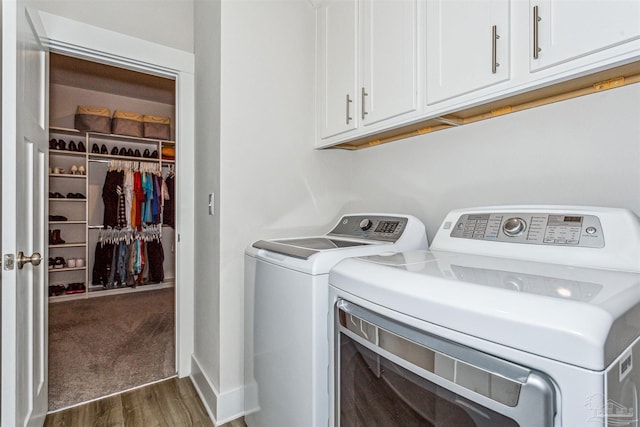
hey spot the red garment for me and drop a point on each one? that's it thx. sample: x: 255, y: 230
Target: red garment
x: 139, y: 199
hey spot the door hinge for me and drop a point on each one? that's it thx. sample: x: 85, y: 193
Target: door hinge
x: 9, y: 261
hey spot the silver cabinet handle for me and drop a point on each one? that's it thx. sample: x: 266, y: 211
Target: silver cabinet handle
x: 349, y: 101
x: 33, y: 259
x: 536, y: 20
x: 494, y: 49
x: 364, y: 107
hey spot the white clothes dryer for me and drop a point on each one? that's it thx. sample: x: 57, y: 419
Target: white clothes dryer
x: 287, y: 311
x: 516, y: 316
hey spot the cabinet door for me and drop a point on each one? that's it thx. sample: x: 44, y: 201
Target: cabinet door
x: 568, y: 29
x: 467, y: 46
x: 389, y: 59
x: 337, y: 47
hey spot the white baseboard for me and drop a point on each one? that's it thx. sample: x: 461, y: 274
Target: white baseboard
x: 222, y: 407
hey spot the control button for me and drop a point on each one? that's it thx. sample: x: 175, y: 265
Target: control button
x: 590, y: 230
x: 365, y: 224
x: 513, y: 226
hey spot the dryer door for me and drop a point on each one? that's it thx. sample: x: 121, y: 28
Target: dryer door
x: 388, y: 373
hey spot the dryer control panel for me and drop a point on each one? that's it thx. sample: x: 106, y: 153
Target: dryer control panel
x: 531, y: 228
x: 381, y: 228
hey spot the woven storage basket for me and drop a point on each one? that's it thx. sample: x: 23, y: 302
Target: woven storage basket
x: 157, y: 127
x: 126, y: 123
x: 92, y: 119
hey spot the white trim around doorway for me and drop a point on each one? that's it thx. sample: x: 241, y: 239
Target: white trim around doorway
x: 80, y: 40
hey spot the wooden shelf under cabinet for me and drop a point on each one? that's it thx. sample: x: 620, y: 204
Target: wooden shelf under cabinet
x: 585, y: 85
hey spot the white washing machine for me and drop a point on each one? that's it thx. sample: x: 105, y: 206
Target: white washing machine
x: 287, y: 310
x: 516, y: 316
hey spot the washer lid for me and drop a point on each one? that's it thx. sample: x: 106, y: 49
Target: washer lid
x: 584, y: 317
x: 304, y: 248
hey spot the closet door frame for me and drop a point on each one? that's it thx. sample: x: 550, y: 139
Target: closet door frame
x: 72, y: 38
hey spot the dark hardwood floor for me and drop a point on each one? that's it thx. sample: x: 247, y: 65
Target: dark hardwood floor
x: 171, y: 403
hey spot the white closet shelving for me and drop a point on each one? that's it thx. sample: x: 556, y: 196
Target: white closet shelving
x: 77, y: 221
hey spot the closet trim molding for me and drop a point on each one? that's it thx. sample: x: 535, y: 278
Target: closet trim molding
x: 73, y: 38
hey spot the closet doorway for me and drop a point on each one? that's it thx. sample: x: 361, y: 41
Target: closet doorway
x: 112, y: 243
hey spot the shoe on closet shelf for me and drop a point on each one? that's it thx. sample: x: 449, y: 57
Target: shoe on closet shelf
x: 75, y: 288
x: 114, y: 151
x: 103, y: 149
x: 56, y: 290
x: 53, y: 144
x: 81, y: 148
x: 81, y: 170
x: 59, y: 262
x: 146, y: 154
x: 74, y: 170
x: 137, y: 153
x: 55, y: 238
x: 122, y: 152
x: 71, y: 263
x: 52, y: 263
x: 72, y: 146
x: 61, y: 145
x: 154, y: 155
x: 95, y: 149
x: 57, y: 218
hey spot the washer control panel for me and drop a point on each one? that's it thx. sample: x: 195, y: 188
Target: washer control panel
x: 528, y: 228
x: 383, y: 228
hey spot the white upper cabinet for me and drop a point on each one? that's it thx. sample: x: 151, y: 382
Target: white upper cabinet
x: 367, y: 64
x: 389, y: 59
x: 562, y: 30
x: 468, y: 46
x: 338, y: 67
x: 393, y: 67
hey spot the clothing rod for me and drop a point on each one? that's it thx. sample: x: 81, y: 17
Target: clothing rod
x: 96, y: 227
x: 98, y: 161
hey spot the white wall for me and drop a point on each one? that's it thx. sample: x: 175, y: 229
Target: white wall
x: 272, y: 182
x: 167, y: 22
x: 207, y: 169
x: 581, y: 151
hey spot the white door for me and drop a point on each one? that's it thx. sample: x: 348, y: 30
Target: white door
x: 467, y: 46
x: 24, y: 184
x: 568, y: 29
x: 389, y: 65
x: 337, y: 45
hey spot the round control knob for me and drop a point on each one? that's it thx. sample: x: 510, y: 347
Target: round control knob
x: 591, y: 230
x: 514, y: 226
x: 365, y: 224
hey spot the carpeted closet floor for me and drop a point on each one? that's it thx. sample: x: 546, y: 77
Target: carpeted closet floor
x: 105, y: 345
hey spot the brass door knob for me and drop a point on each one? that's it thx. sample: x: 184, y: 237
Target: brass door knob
x: 34, y: 259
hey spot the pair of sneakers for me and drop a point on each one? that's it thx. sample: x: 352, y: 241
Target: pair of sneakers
x: 75, y: 262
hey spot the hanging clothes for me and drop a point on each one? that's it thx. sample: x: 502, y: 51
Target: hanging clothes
x: 169, y: 211
x: 155, y: 254
x: 102, y: 264
x: 110, y: 196
x: 133, y: 196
